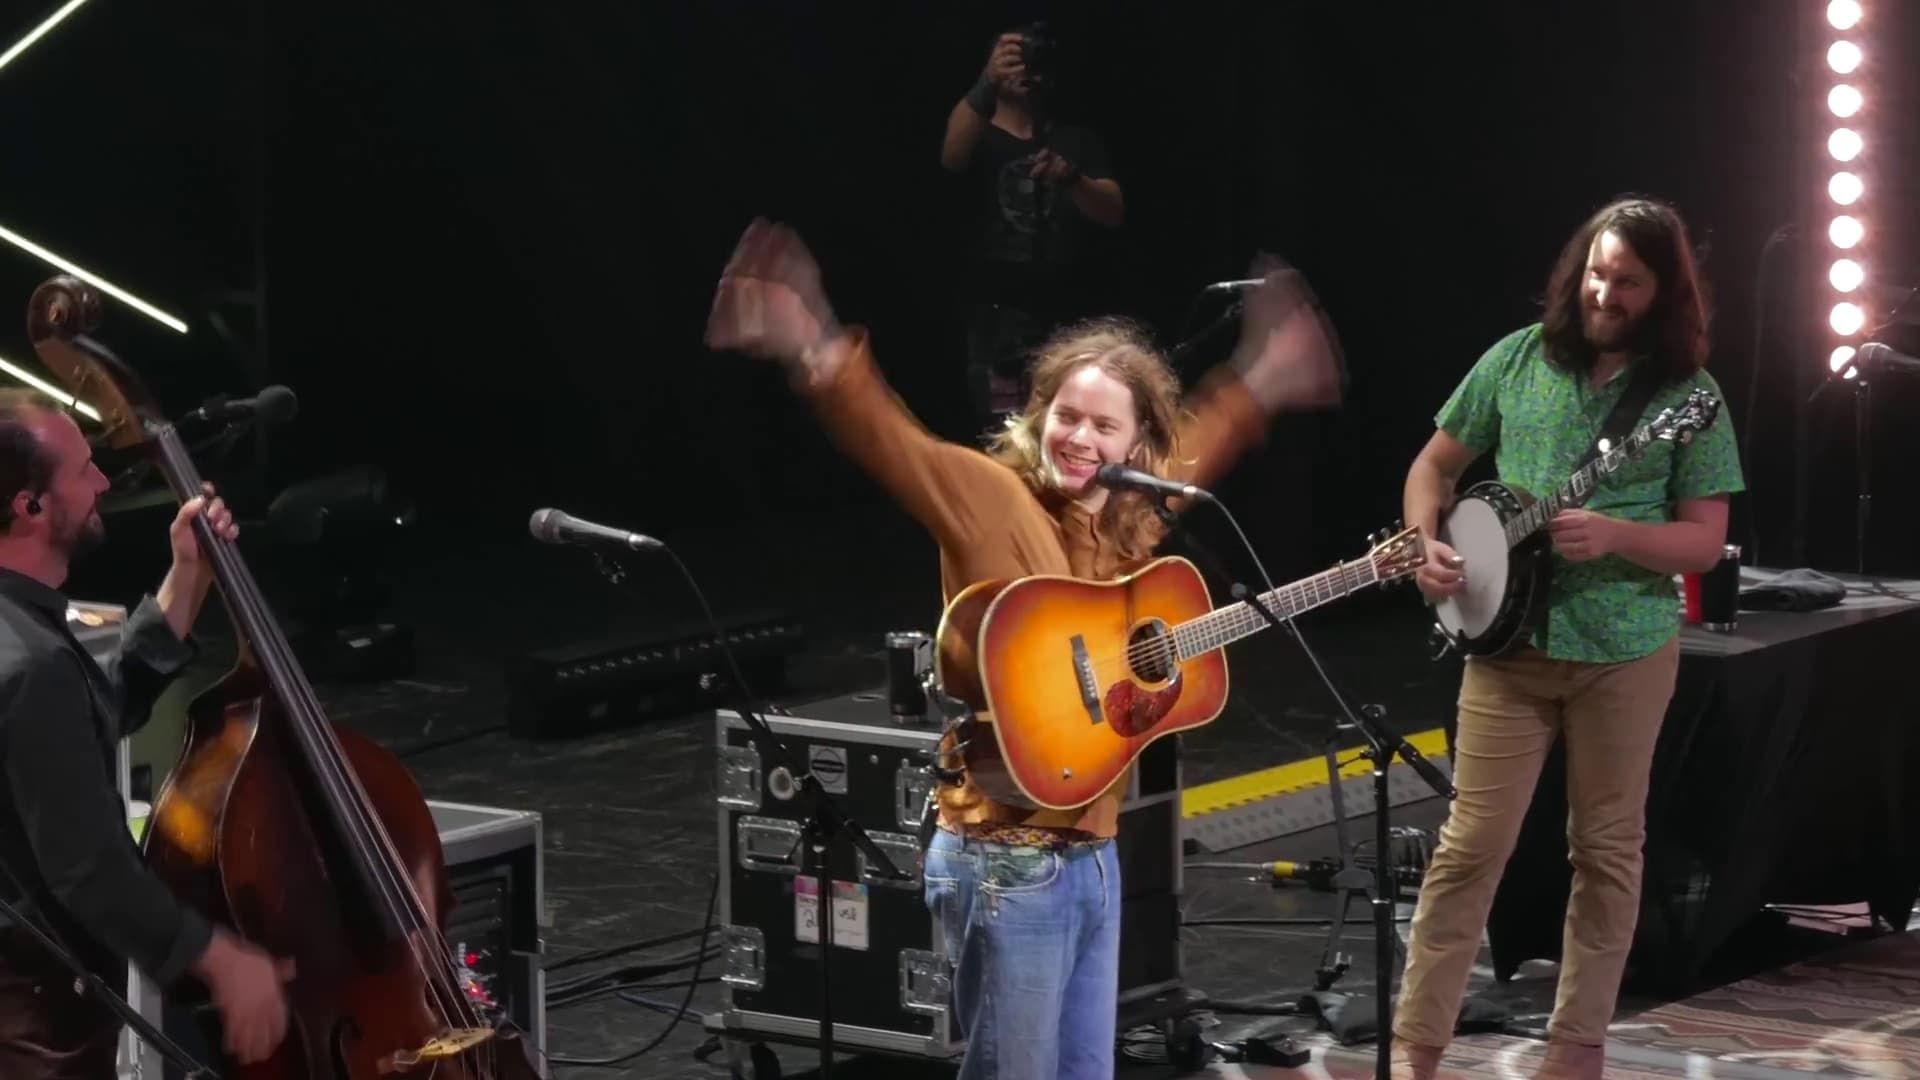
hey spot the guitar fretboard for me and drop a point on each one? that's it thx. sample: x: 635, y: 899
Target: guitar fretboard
x: 1578, y: 489
x: 1227, y: 625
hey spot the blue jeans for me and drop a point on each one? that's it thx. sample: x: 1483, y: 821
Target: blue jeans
x: 1035, y: 939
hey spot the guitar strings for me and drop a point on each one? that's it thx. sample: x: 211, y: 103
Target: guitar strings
x: 1165, y: 646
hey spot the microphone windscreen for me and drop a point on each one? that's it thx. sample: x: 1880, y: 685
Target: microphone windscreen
x: 544, y: 525
x: 276, y: 405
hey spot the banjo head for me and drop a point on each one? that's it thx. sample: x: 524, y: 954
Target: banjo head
x: 1476, y: 530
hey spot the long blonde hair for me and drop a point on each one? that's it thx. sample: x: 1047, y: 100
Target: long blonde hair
x: 1122, y: 349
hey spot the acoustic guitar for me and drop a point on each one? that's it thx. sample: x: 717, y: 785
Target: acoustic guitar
x: 1072, y: 679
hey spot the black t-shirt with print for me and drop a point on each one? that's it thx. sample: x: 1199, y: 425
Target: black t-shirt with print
x: 1029, y: 242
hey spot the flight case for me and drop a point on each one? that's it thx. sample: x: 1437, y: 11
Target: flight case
x: 890, y: 979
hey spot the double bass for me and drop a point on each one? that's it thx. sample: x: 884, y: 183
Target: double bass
x: 310, y: 840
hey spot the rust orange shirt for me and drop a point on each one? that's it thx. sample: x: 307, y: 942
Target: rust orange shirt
x: 989, y: 524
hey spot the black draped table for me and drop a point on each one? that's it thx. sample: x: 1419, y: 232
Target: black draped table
x: 1782, y: 776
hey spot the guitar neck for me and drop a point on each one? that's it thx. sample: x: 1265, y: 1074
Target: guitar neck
x: 1580, y: 487
x: 1224, y: 626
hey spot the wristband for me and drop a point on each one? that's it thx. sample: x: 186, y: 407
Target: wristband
x: 981, y: 98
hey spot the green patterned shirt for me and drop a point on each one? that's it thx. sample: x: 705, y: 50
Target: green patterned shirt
x: 1543, y: 419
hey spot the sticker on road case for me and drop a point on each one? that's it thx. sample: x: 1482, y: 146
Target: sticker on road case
x: 849, y: 913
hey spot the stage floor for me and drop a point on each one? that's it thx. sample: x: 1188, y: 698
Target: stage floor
x: 1848, y: 1011
x: 629, y: 815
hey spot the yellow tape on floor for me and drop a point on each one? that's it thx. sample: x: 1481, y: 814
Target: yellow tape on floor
x: 1293, y: 776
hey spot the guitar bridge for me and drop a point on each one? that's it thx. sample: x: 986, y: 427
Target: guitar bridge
x: 1083, y: 673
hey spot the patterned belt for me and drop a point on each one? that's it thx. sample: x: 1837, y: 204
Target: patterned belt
x: 1034, y: 836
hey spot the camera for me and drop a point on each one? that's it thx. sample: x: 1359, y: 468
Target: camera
x: 1038, y: 52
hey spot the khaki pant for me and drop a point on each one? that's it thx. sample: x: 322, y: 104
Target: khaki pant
x: 1510, y: 710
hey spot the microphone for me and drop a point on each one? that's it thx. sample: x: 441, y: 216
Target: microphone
x: 273, y: 405
x: 1119, y: 476
x: 1886, y: 358
x: 557, y: 527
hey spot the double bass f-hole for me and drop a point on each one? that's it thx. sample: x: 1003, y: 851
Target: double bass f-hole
x: 308, y: 839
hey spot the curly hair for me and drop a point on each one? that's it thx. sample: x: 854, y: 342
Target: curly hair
x: 1675, y: 327
x: 1124, y: 350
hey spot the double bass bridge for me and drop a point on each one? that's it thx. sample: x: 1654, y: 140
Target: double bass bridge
x: 448, y: 1044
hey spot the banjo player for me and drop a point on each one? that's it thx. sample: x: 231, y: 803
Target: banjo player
x: 1625, y: 320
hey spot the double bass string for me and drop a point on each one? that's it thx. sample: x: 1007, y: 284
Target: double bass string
x: 364, y: 829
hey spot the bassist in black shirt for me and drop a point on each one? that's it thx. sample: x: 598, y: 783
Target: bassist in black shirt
x: 64, y: 835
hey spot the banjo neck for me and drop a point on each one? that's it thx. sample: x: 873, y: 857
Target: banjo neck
x: 1579, y: 487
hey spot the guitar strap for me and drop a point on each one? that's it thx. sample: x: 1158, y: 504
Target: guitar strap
x: 1626, y: 412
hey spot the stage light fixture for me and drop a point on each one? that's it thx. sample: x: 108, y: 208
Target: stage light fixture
x: 49, y: 389
x: 1846, y: 270
x: 89, y: 276
x: 1846, y: 273
x: 46, y: 26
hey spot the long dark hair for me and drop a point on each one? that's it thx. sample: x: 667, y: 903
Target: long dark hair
x: 1675, y: 330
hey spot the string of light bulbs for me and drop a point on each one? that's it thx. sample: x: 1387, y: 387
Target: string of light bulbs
x: 1847, y: 231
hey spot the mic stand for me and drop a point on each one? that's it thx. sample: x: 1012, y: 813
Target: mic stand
x: 1205, y: 335
x: 1862, y: 450
x: 824, y: 821
x: 1382, y: 744
x: 90, y: 984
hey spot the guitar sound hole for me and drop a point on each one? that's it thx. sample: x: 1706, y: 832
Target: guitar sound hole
x: 1150, y: 650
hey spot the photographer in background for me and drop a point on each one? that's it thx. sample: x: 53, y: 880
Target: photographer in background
x: 1036, y: 188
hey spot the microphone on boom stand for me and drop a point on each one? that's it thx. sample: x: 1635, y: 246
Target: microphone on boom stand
x: 825, y: 822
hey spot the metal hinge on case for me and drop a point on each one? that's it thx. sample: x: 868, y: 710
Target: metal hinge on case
x: 926, y: 982
x: 770, y: 844
x: 912, y: 791
x: 743, y: 950
x: 738, y: 777
x: 903, y: 851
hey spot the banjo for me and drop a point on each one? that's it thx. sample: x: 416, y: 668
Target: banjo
x: 1497, y: 529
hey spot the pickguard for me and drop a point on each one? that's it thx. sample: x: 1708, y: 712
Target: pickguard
x: 1134, y: 710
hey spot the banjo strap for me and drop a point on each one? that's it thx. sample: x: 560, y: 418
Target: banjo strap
x: 1626, y: 412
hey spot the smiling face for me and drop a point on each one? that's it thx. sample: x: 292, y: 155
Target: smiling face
x: 1091, y: 421
x: 1618, y: 293
x: 70, y: 505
